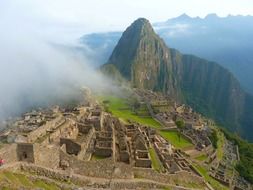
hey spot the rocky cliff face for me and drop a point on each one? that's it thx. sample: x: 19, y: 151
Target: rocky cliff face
x: 142, y: 58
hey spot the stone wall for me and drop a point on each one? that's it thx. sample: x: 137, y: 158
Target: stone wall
x: 63, y: 176
x: 142, y: 159
x: 104, y: 168
x: 47, y: 156
x: 25, y: 152
x: 144, y: 163
x: 9, y: 153
x: 103, y: 151
x: 91, y: 183
x: 41, y: 131
x: 101, y: 168
x: 181, y: 177
x: 71, y: 146
x: 124, y: 156
x: 67, y: 130
x: 115, y: 185
x: 83, y: 128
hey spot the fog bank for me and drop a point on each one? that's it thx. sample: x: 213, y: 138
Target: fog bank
x: 34, y: 71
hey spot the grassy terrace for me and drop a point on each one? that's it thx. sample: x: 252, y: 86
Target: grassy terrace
x: 215, y: 184
x: 201, y: 157
x: 120, y: 108
x: 220, y: 143
x: 95, y: 157
x: 176, y: 139
x: 10, y: 180
x: 156, y: 163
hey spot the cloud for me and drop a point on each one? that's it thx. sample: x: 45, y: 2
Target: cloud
x: 178, y: 29
x: 38, y: 70
x: 36, y: 73
x: 174, y: 30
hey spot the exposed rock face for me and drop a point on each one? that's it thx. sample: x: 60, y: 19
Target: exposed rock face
x: 142, y: 58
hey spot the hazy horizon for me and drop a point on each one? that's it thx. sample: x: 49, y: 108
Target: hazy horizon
x: 65, y: 21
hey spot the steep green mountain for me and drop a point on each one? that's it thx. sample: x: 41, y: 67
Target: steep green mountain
x: 214, y: 91
x: 144, y: 59
x: 146, y: 62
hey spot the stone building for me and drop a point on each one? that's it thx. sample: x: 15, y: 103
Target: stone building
x: 140, y: 149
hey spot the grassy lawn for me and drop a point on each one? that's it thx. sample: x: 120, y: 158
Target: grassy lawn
x: 95, y: 157
x: 43, y: 185
x: 120, y: 108
x: 15, y: 181
x: 215, y: 184
x: 176, y: 139
x: 220, y: 143
x: 201, y: 157
x: 156, y: 163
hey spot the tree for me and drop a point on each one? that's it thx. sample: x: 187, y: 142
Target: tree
x: 180, y: 124
x: 214, y: 138
x: 136, y: 105
x: 106, y: 101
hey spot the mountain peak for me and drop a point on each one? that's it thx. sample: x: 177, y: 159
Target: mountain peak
x: 142, y: 58
x: 141, y: 21
x: 141, y: 25
x: 211, y: 16
x: 182, y: 17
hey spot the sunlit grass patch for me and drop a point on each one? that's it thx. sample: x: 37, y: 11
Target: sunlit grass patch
x: 156, y: 163
x: 176, y: 139
x: 201, y: 157
x: 215, y: 184
x: 120, y: 108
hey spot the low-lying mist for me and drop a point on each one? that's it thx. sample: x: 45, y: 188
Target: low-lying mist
x: 40, y: 62
x: 34, y: 73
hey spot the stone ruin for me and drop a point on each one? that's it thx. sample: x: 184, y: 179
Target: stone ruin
x: 104, y: 138
x: 173, y: 160
x: 121, y: 142
x: 224, y: 171
x: 75, y: 139
x: 95, y: 118
x: 25, y: 152
x: 140, y: 150
x: 79, y: 144
x: 199, y: 137
x: 104, y: 144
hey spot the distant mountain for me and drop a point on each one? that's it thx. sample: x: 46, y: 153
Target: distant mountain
x: 228, y: 41
x: 99, y: 46
x: 142, y: 58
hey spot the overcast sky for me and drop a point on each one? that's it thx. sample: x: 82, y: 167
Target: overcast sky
x: 70, y: 18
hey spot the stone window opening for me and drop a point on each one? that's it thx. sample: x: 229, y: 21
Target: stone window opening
x: 24, y: 155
